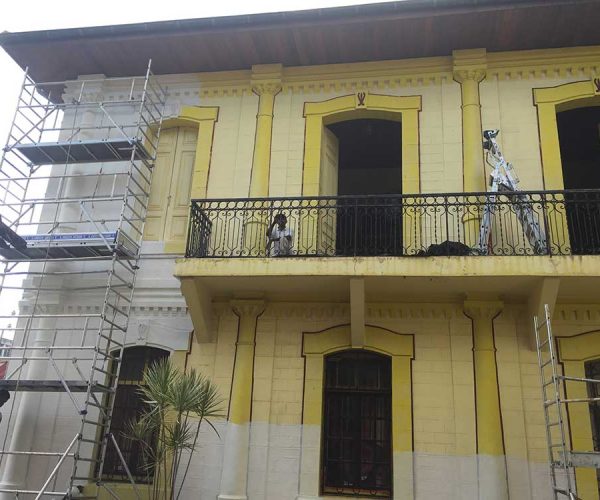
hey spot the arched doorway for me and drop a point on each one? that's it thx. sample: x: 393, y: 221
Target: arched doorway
x: 369, y: 174
x: 579, y: 137
x: 321, y: 161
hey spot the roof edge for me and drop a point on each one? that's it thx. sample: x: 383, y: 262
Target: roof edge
x: 390, y: 10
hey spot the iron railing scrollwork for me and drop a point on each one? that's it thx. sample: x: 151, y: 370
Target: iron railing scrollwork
x: 398, y: 225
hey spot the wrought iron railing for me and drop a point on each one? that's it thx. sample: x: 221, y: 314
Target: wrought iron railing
x: 397, y: 225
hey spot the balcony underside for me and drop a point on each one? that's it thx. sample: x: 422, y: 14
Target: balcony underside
x: 527, y: 247
x: 391, y: 279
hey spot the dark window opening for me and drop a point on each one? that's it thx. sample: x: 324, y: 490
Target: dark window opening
x: 127, y: 407
x: 370, y: 163
x: 357, y: 435
x: 579, y: 136
x: 592, y: 370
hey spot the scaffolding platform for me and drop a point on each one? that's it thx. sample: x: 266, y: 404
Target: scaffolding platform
x: 50, y: 386
x: 93, y: 151
x: 72, y: 245
x: 584, y: 459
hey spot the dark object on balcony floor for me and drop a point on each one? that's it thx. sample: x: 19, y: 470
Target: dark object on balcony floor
x: 453, y: 248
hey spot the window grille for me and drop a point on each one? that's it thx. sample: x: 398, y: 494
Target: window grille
x: 128, y: 406
x: 357, y: 447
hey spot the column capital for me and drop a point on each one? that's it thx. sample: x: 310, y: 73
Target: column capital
x: 482, y: 309
x: 266, y: 79
x: 469, y: 64
x: 271, y: 88
x: 474, y: 74
x: 248, y: 308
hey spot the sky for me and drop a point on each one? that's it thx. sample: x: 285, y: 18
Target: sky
x: 36, y: 15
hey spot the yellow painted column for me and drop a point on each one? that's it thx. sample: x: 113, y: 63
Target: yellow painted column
x: 491, y: 462
x: 469, y: 70
x: 234, y: 476
x: 266, y: 83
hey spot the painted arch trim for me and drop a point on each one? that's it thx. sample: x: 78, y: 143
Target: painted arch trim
x: 400, y: 347
x: 203, y: 118
x: 360, y: 105
x: 549, y: 101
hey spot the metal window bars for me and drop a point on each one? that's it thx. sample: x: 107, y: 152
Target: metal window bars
x: 75, y: 181
x: 562, y: 458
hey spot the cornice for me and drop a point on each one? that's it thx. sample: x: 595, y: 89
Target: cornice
x: 336, y: 78
x: 549, y: 63
x: 587, y: 313
x: 159, y: 310
x: 341, y: 311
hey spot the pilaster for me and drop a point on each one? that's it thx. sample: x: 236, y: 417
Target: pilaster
x: 490, y: 442
x: 266, y: 83
x: 234, y: 479
x: 469, y: 69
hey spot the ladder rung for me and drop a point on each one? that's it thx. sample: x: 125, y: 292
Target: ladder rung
x: 88, y: 460
x: 93, y: 422
x: 544, y: 343
x: 91, y: 441
x: 546, y: 363
x: 102, y: 407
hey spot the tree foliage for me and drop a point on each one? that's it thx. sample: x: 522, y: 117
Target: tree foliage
x: 177, y: 404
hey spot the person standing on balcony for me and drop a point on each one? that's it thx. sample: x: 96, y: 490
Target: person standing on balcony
x: 279, y: 237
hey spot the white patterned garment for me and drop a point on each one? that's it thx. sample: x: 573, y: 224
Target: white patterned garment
x: 281, y: 241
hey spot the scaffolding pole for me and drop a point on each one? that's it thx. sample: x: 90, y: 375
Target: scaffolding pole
x: 75, y: 179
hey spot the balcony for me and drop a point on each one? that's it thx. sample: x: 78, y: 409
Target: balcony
x: 381, y: 249
x: 533, y: 223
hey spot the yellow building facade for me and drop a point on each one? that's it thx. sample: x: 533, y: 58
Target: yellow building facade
x: 467, y: 418
x: 450, y: 338
x: 467, y: 410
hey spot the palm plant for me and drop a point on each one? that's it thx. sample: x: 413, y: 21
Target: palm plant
x: 177, y: 403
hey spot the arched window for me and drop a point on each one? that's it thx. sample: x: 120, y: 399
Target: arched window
x: 128, y: 405
x: 357, y: 444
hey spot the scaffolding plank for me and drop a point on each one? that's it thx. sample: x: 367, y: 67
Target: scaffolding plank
x: 91, y: 151
x: 71, y: 245
x: 49, y: 386
x: 585, y: 459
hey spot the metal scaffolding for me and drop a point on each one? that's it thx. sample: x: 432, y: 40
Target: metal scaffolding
x: 561, y: 457
x: 74, y: 189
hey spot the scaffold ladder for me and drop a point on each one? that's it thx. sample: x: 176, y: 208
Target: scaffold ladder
x: 98, y: 139
x: 561, y: 458
x: 503, y: 180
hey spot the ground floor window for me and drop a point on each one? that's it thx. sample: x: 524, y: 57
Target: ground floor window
x: 357, y: 444
x: 127, y: 407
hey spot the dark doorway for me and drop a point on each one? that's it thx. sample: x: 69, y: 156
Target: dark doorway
x: 357, y: 428
x: 369, y: 221
x: 579, y: 135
